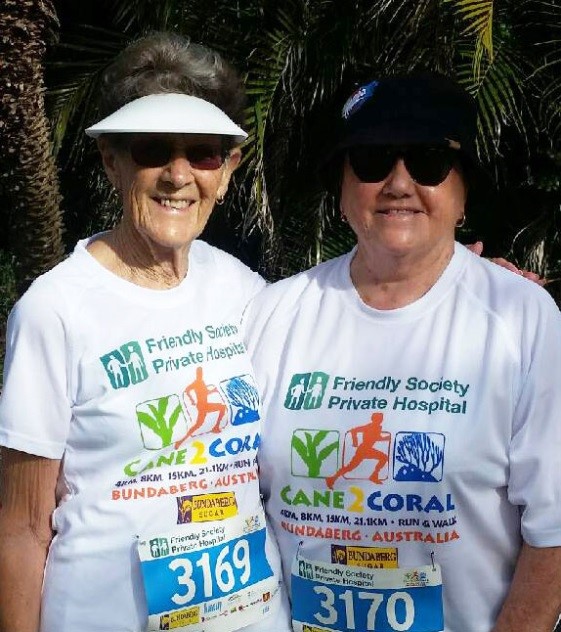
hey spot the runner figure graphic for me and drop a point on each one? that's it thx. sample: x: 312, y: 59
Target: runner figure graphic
x: 198, y: 393
x: 371, y: 433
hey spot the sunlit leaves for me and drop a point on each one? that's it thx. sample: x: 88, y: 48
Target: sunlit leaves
x: 478, y: 18
x: 303, y: 57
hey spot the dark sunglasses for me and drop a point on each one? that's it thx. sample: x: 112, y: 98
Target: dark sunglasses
x: 158, y: 152
x: 427, y: 165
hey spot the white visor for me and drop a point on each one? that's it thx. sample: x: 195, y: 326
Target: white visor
x: 168, y: 113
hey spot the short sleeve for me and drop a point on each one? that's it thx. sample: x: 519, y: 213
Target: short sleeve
x: 535, y: 451
x: 35, y: 411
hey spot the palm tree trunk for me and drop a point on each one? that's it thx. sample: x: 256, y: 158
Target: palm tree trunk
x: 30, y: 179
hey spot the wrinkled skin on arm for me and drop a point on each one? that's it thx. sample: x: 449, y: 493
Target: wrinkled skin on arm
x: 27, y: 500
x: 534, y: 600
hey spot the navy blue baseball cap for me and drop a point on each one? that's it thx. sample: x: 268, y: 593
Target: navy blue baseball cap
x: 426, y: 108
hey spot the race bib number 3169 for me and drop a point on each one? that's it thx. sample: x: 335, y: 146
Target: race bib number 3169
x: 196, y: 580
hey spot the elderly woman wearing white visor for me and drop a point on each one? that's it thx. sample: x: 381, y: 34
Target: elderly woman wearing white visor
x: 129, y: 416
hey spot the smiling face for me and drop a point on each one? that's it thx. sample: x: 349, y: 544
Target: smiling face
x: 168, y: 206
x: 398, y: 217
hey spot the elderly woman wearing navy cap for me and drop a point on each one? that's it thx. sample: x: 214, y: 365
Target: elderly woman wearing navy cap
x: 129, y: 412
x: 411, y: 450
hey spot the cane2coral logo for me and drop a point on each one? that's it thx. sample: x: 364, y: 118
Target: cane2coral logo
x: 253, y: 523
x: 306, y: 391
x: 416, y: 578
x: 365, y: 454
x: 125, y: 366
x: 419, y: 456
x: 165, y: 421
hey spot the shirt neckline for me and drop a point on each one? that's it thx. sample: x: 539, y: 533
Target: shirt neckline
x: 114, y: 283
x: 417, y: 308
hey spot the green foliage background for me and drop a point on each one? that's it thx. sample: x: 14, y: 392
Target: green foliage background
x: 301, y: 59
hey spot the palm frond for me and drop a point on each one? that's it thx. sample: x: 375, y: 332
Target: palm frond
x: 74, y: 82
x: 477, y: 16
x: 499, y: 91
x: 547, y: 73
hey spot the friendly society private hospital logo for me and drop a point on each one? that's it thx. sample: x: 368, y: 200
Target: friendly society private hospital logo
x: 306, y: 391
x: 125, y: 366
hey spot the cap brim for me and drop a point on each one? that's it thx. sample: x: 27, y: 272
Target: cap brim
x: 169, y: 113
x: 417, y: 134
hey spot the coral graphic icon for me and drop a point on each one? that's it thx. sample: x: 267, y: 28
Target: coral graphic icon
x: 161, y: 421
x: 366, y: 451
x: 242, y: 394
x: 315, y: 453
x: 306, y: 391
x: 419, y: 456
x: 205, y: 405
x: 125, y: 366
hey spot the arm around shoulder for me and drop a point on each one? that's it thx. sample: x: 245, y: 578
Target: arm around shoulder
x: 27, y: 500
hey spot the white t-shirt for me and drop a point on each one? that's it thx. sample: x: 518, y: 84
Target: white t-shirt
x: 149, y: 399
x: 425, y: 435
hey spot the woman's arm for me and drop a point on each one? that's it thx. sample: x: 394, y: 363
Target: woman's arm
x: 27, y: 500
x: 534, y: 600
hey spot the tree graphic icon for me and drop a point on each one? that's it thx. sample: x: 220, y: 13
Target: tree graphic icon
x: 158, y: 420
x: 317, y: 450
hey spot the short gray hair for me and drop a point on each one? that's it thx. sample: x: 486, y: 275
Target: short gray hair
x: 168, y: 62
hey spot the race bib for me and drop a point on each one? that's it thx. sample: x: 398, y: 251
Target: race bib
x: 207, y: 578
x: 336, y: 598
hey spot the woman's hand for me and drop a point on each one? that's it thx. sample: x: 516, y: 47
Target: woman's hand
x: 477, y: 248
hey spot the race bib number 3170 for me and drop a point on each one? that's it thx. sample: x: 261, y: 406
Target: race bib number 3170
x: 328, y: 597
